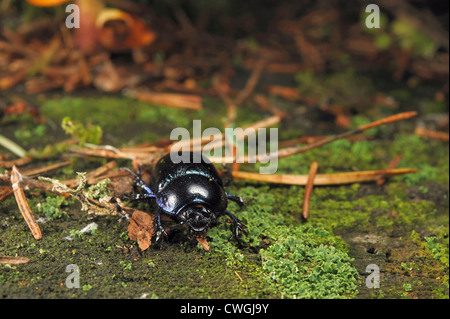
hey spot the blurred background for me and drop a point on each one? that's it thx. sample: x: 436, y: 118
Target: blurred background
x: 179, y: 46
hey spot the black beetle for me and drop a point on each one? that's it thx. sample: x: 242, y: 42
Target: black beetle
x: 191, y: 192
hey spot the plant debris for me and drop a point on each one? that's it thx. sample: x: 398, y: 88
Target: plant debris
x: 308, y: 189
x: 13, y: 260
x: 27, y: 213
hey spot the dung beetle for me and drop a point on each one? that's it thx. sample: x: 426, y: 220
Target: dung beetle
x: 191, y: 192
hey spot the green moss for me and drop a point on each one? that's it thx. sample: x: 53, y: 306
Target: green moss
x: 99, y: 190
x: 343, y: 155
x: 299, y: 266
x: 301, y: 261
x: 52, y: 207
x: 438, y: 247
x: 400, y: 214
x: 337, y: 215
x: 416, y: 152
x: 83, y: 134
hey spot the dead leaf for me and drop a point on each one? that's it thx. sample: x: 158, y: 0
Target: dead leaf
x: 204, y: 243
x: 141, y: 229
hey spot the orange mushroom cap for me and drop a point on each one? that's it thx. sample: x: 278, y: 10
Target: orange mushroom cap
x: 46, y: 3
x: 135, y: 32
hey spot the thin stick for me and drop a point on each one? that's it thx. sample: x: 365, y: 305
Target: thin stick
x: 237, y: 275
x: 93, y: 174
x: 218, y: 138
x: 308, y: 189
x: 324, y: 179
x: 16, y: 180
x: 13, y: 260
x: 390, y: 119
x: 16, y: 162
x: 180, y: 101
x: 387, y: 120
x: 289, y: 151
x: 251, y: 83
x: 5, y: 192
x: 392, y: 164
x: 436, y: 135
x: 45, y: 169
x: 265, y: 105
x: 101, y: 152
x: 230, y: 104
x: 243, y: 95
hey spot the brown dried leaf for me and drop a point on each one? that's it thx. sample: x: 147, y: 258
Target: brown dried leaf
x: 141, y: 229
x: 204, y: 243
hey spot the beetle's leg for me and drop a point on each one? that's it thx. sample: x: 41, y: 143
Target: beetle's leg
x: 159, y: 229
x: 238, y: 226
x: 237, y: 199
x: 138, y: 196
x: 138, y: 182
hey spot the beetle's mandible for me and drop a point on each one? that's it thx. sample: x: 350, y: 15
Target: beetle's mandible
x: 190, y: 193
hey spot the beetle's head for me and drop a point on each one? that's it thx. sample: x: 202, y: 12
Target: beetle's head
x: 198, y: 218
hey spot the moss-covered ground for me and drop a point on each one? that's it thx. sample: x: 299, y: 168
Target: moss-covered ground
x: 401, y: 226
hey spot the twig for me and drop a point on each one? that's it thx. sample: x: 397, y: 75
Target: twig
x: 296, y: 150
x: 392, y: 164
x: 141, y: 157
x: 267, y: 122
x: 16, y: 180
x: 5, y: 192
x: 243, y: 95
x: 229, y: 103
x: 313, y: 139
x: 265, y: 105
x: 12, y: 79
x: 251, y: 83
x: 288, y: 93
x: 45, y: 169
x: 93, y: 174
x: 101, y: 152
x: 323, y: 179
x: 390, y: 119
x: 387, y: 120
x: 17, y: 162
x: 435, y: 135
x: 13, y: 260
x: 181, y: 101
x: 308, y: 189
x: 237, y: 275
